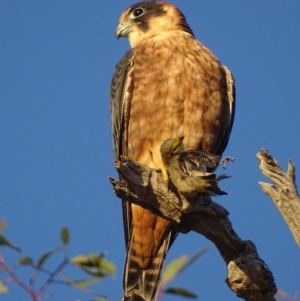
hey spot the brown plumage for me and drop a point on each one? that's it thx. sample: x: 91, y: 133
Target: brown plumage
x: 167, y: 85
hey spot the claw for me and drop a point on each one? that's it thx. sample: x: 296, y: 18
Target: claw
x: 222, y: 177
x: 225, y: 160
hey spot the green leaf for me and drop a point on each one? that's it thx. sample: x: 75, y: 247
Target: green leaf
x: 3, y: 225
x: 86, y: 282
x: 80, y: 283
x: 25, y: 260
x: 181, y: 292
x: 65, y: 235
x: 66, y: 278
x: 91, y: 260
x: 107, y: 267
x: 178, y: 265
x: 192, y: 259
x: 3, y: 288
x: 95, y: 265
x: 89, y: 264
x: 5, y: 242
x: 79, y: 259
x: 44, y: 257
x: 172, y: 269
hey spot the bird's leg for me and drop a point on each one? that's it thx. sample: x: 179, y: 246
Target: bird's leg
x: 164, y: 172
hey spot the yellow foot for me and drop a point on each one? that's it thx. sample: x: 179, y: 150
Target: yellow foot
x: 164, y: 173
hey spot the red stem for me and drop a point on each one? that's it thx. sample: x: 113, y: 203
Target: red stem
x: 14, y: 277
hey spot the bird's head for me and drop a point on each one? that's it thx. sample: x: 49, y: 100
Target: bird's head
x: 148, y: 18
x: 171, y: 147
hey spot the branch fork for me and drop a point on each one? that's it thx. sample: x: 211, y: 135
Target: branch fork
x: 283, y: 191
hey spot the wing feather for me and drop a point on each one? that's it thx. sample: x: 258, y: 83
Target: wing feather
x: 228, y: 110
x: 120, y: 98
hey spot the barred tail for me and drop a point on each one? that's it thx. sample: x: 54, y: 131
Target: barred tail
x: 142, y: 284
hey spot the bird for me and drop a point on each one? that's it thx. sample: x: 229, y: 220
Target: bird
x: 168, y: 84
x: 188, y: 169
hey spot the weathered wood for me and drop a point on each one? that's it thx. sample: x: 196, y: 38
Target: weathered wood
x: 283, y: 192
x: 247, y: 274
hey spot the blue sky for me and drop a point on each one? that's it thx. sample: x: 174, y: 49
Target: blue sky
x: 57, y: 59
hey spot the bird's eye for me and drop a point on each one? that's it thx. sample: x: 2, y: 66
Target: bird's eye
x: 175, y: 151
x: 137, y: 12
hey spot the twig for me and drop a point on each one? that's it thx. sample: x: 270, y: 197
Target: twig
x: 16, y: 279
x: 52, y: 276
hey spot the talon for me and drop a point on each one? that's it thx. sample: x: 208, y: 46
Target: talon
x: 222, y: 177
x: 225, y: 160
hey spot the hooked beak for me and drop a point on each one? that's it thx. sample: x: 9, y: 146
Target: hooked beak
x: 123, y: 30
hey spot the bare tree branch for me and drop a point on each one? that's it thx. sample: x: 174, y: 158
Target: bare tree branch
x: 247, y: 274
x: 284, y: 191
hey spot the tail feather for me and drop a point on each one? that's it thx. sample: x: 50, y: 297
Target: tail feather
x: 143, y: 284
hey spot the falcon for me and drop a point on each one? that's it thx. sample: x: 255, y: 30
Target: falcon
x: 167, y: 85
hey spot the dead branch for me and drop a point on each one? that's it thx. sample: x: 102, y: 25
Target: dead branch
x: 247, y: 274
x: 283, y: 192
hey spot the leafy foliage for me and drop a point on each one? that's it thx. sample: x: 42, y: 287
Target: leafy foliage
x: 181, y: 292
x: 7, y: 243
x: 64, y: 235
x: 3, y: 288
x: 45, y: 256
x: 176, y: 267
x: 95, y: 265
